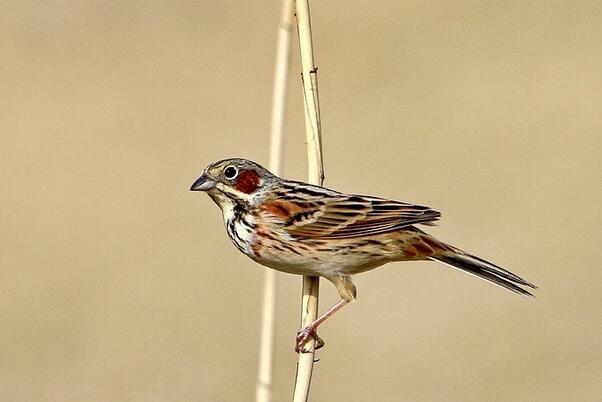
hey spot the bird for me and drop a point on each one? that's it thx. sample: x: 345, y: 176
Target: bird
x: 305, y: 229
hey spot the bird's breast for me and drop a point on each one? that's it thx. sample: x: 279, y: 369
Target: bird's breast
x: 240, y: 225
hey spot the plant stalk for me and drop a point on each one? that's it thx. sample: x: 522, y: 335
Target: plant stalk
x: 311, y: 284
x: 263, y: 392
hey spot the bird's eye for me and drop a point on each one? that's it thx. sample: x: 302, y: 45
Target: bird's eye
x: 230, y: 172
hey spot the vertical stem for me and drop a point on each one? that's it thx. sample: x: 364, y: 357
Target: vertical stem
x: 280, y: 85
x: 305, y: 364
x: 311, y: 284
x: 309, y: 78
x: 268, y: 316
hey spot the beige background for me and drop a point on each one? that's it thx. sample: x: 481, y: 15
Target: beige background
x: 118, y: 284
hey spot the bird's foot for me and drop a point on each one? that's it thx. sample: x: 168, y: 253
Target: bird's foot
x: 304, y: 335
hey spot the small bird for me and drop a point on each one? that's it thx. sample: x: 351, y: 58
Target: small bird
x: 304, y: 229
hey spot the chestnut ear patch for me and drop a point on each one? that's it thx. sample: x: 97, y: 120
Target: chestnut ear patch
x: 247, y: 181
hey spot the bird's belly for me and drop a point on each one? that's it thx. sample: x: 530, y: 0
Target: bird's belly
x: 303, y: 259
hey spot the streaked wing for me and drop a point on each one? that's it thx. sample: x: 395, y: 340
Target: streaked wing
x: 314, y: 212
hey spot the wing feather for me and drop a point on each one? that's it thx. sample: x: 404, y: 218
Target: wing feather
x: 307, y: 211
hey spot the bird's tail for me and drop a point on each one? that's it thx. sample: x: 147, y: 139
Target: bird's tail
x: 485, y: 270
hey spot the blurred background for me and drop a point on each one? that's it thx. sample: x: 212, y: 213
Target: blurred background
x: 118, y: 284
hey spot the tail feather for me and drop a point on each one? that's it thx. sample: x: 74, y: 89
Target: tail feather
x: 486, y: 270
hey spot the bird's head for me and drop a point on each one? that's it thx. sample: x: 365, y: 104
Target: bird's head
x: 233, y: 181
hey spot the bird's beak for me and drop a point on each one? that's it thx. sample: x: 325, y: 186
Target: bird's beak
x: 203, y: 183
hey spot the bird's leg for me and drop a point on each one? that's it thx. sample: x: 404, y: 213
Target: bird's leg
x: 310, y: 331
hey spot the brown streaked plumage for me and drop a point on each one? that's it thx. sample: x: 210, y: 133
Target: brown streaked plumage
x: 304, y: 229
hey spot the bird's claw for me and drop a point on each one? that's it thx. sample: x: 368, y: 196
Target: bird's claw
x: 304, y: 335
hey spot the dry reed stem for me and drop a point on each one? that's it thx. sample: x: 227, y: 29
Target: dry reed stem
x: 311, y: 284
x: 263, y: 392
